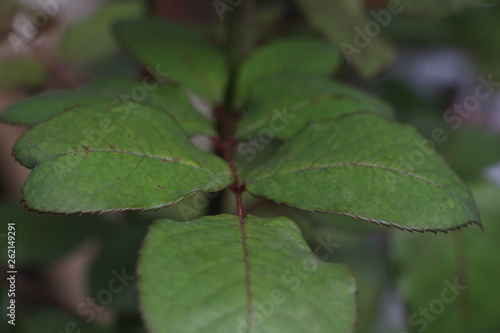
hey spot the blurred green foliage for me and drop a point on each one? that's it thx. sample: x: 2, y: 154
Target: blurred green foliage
x: 414, y: 265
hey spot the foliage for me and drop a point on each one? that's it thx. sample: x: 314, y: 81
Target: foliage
x: 120, y: 144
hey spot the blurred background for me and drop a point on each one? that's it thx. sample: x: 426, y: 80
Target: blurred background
x: 427, y: 60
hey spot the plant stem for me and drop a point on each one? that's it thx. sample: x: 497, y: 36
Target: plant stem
x: 240, y: 41
x: 225, y: 143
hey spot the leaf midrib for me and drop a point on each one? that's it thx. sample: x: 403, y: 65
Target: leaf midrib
x: 126, y: 152
x: 368, y: 165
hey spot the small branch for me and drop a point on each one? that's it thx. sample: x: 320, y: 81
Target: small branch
x: 225, y: 144
x: 240, y: 41
x: 239, y: 202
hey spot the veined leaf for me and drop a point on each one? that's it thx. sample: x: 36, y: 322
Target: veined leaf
x: 106, y: 93
x: 217, y: 275
x: 183, y: 53
x: 293, y: 56
x: 287, y: 104
x: 364, y: 166
x: 130, y: 156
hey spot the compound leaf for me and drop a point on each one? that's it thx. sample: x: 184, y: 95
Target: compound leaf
x: 197, y: 276
x: 130, y: 156
x: 286, y: 104
x: 285, y: 57
x: 364, y: 166
x: 183, y: 53
x: 105, y: 93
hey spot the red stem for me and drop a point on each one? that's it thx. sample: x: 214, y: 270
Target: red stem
x: 225, y: 144
x: 237, y: 187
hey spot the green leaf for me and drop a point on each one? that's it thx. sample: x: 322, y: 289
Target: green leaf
x: 130, y: 156
x: 482, y: 273
x: 183, y: 53
x: 211, y: 274
x: 91, y: 40
x: 424, y: 280
x: 287, y: 104
x: 342, y: 22
x: 364, y: 166
x: 105, y: 93
x: 355, y: 247
x: 285, y: 57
